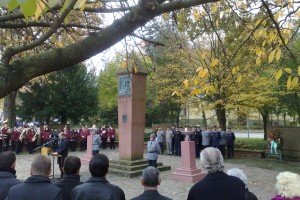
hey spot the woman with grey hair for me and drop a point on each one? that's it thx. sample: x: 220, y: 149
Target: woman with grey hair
x: 241, y: 175
x: 216, y: 184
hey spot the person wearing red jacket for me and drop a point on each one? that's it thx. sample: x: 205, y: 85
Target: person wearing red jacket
x: 84, y: 133
x: 45, y: 135
x: 104, y: 136
x: 112, y: 137
x: 15, y: 135
x: 30, y: 136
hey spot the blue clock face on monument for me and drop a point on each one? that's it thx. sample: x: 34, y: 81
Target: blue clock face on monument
x: 124, y: 85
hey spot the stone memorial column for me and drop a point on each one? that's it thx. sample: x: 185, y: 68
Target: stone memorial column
x: 131, y: 120
x: 188, y: 171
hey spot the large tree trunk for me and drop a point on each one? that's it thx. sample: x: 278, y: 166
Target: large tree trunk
x: 221, y: 116
x: 265, y: 116
x: 9, y: 108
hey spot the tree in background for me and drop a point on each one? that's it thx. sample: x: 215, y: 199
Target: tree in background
x: 108, y: 93
x: 68, y: 94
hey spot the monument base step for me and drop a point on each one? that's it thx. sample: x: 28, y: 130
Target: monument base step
x: 132, y: 169
x: 188, y: 175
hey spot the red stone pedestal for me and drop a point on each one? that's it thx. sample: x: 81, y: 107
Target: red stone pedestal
x: 89, y: 151
x: 188, y: 171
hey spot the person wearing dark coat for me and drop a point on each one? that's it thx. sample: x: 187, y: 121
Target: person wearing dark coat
x: 71, y: 178
x: 7, y: 173
x: 38, y: 185
x: 62, y: 152
x: 215, y: 137
x: 216, y: 185
x: 97, y: 187
x: 150, y: 180
x: 230, y: 138
x: 241, y: 175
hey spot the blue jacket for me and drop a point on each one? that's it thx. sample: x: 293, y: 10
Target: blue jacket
x: 7, y: 180
x: 215, y: 139
x: 96, y: 142
x: 218, y: 186
x: 230, y: 137
x: 35, y: 187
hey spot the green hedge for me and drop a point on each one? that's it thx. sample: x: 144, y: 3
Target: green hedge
x: 250, y: 144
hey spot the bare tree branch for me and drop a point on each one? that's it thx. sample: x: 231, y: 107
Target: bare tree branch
x: 265, y: 4
x: 10, y: 52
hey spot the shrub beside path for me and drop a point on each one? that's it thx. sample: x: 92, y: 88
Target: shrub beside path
x: 261, y: 181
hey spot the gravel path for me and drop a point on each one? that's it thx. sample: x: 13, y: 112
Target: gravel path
x: 261, y: 181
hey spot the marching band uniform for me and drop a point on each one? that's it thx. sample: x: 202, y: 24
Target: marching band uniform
x: 30, y: 142
x: 5, y: 138
x: 15, y: 138
x: 84, y: 132
x: 45, y: 135
x: 103, y: 136
x: 112, y: 137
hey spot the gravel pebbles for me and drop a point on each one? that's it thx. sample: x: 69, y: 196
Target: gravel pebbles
x: 261, y: 181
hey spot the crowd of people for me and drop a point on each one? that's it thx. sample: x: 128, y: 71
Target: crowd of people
x: 35, y: 137
x: 203, y: 138
x: 232, y: 185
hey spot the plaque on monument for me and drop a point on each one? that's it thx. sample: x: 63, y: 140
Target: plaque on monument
x: 124, y: 85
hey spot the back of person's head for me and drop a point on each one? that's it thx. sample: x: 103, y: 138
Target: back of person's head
x: 41, y: 165
x: 212, y: 160
x: 98, y: 165
x: 239, y: 174
x: 72, y: 165
x: 7, y: 160
x: 288, y: 184
x: 150, y: 177
x: 152, y: 136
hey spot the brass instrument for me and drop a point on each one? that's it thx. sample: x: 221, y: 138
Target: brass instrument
x: 23, y: 134
x: 37, y: 133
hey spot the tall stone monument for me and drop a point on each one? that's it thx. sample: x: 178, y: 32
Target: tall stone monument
x: 131, y: 120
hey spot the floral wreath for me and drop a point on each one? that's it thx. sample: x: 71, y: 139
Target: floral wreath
x: 275, y: 135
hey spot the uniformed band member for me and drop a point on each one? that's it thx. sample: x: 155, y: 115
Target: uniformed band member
x: 15, y: 134
x: 45, y: 135
x: 104, y: 136
x: 112, y: 137
x: 30, y: 136
x: 4, y: 137
x: 153, y: 149
x: 62, y: 151
x: 84, y: 133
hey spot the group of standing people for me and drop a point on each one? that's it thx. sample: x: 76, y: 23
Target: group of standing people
x: 34, y: 137
x: 203, y: 138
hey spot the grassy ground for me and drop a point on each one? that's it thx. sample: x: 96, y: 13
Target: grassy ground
x: 271, y: 164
